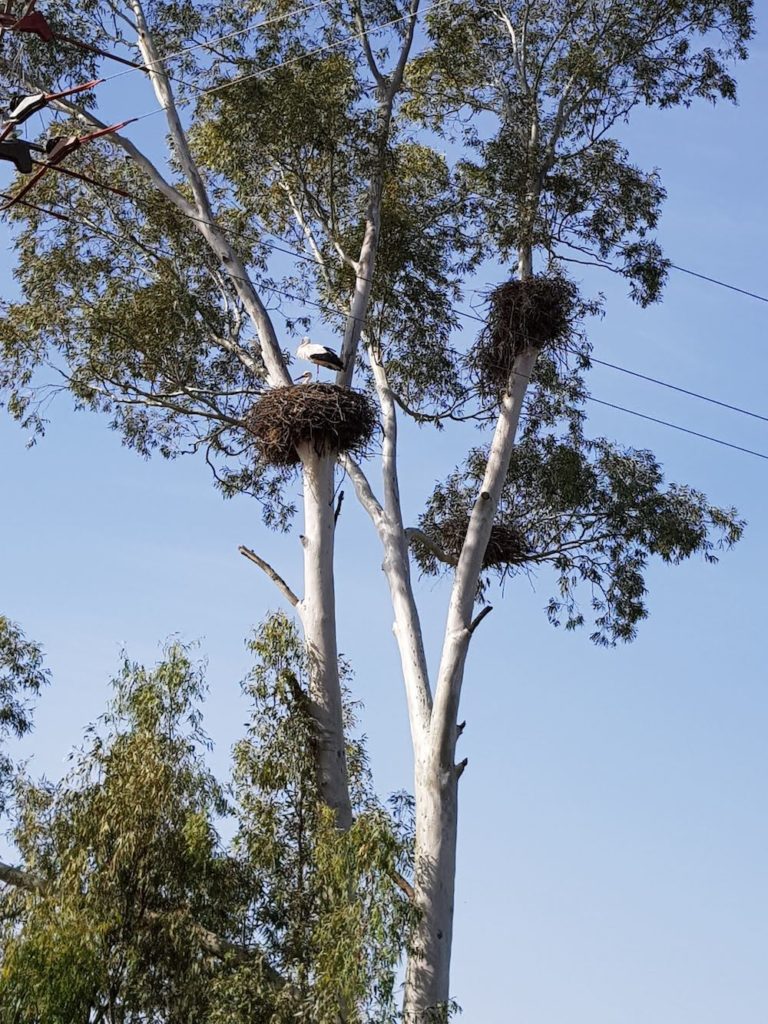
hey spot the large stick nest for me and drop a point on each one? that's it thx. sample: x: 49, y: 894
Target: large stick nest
x: 506, y: 545
x: 330, y: 418
x: 536, y: 313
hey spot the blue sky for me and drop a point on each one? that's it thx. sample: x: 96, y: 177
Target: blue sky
x: 614, y: 846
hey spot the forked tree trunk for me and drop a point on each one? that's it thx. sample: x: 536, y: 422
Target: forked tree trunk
x: 427, y: 991
x: 317, y: 610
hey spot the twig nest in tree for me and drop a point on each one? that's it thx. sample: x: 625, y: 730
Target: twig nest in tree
x: 536, y: 313
x: 330, y: 418
x: 506, y: 545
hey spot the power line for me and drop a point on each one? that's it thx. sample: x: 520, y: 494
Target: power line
x: 293, y: 60
x: 682, y: 391
x: 677, y: 426
x: 356, y: 35
x: 322, y: 49
x: 336, y: 311
x: 722, y: 284
x: 217, y: 39
x: 271, y: 67
x: 455, y: 309
x: 597, y: 401
x: 593, y: 359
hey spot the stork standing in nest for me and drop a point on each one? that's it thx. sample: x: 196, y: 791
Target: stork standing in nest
x: 319, y: 355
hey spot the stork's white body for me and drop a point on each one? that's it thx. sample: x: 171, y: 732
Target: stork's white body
x: 319, y: 355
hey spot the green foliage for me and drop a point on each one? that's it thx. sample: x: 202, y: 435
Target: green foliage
x: 128, y: 863
x: 522, y: 103
x: 128, y: 310
x: 504, y: 149
x: 595, y: 514
x: 139, y: 912
x: 327, y: 902
x: 535, y: 90
x: 22, y: 676
x: 320, y: 144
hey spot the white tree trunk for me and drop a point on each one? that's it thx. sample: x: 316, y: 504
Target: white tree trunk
x: 427, y: 985
x: 437, y: 775
x: 434, y: 727
x: 317, y: 610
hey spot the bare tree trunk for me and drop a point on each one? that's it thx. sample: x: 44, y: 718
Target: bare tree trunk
x: 428, y: 975
x: 427, y: 985
x: 318, y: 609
x: 318, y: 616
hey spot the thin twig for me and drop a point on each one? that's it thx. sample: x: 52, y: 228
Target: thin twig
x: 20, y: 879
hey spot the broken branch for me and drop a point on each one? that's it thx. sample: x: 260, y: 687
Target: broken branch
x: 276, y: 578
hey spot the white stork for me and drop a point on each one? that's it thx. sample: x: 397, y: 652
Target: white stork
x: 320, y: 355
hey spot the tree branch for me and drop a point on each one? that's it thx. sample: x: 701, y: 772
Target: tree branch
x: 414, y: 534
x: 276, y: 578
x: 404, y: 885
x: 142, y: 161
x: 165, y: 97
x: 216, y: 946
x: 20, y: 879
x: 203, y: 215
x: 397, y: 568
x: 366, y: 263
x: 460, y: 624
x: 479, y: 617
x: 397, y: 76
x: 309, y: 233
x: 363, y: 489
x: 366, y: 44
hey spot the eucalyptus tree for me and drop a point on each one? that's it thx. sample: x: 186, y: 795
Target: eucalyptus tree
x: 400, y: 161
x: 128, y: 906
x: 534, y: 91
x: 22, y: 677
x: 160, y: 302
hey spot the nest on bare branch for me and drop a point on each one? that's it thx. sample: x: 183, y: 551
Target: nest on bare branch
x: 330, y: 418
x: 506, y: 545
x: 536, y: 313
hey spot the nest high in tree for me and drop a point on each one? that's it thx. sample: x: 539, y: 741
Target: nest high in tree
x: 506, y: 546
x: 536, y: 313
x: 330, y: 418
